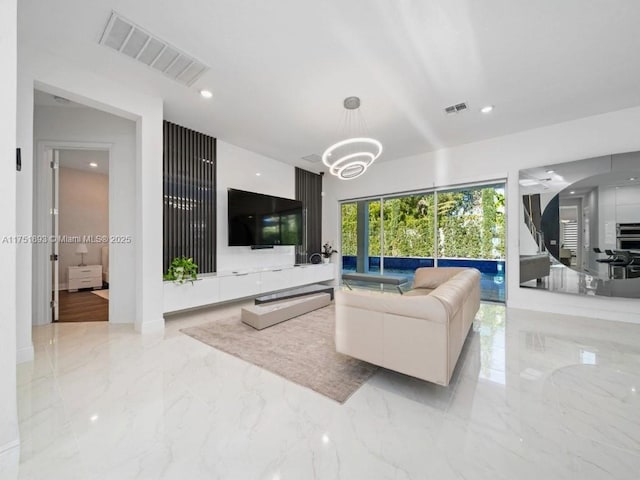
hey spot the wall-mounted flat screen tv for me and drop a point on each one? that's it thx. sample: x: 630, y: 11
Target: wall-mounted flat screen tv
x: 263, y: 220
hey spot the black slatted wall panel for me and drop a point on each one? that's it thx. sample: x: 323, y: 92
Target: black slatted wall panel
x: 309, y: 191
x: 189, y: 163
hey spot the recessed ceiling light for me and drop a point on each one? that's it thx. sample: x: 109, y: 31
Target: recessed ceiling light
x: 487, y: 109
x: 632, y: 179
x: 93, y: 164
x: 550, y: 171
x: 206, y: 93
x: 572, y: 192
x: 258, y: 174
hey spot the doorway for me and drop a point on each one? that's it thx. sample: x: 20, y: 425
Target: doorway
x: 80, y: 225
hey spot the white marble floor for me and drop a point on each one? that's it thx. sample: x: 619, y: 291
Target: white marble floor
x: 534, y: 396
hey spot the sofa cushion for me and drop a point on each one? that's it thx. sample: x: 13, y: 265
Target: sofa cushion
x: 433, y: 277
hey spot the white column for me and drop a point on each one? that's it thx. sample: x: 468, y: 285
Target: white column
x: 149, y: 232
x: 9, y: 440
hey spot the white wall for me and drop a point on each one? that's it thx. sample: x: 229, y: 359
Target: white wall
x: 63, y: 124
x: 607, y: 221
x: 61, y: 76
x: 503, y: 157
x: 237, y: 168
x: 628, y: 204
x: 9, y: 441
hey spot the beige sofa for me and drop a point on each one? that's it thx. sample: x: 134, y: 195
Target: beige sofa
x: 420, y: 333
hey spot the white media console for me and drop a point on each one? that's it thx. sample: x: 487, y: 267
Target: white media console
x: 219, y: 287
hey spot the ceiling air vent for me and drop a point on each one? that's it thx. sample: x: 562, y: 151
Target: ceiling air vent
x: 457, y: 108
x: 133, y: 41
x: 313, y: 158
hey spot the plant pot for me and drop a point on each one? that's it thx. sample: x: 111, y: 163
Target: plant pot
x: 326, y: 259
x: 179, y: 275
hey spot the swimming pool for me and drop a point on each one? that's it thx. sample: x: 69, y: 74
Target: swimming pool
x: 492, y: 272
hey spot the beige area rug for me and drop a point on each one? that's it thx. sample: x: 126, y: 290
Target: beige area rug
x: 301, y: 350
x: 101, y: 293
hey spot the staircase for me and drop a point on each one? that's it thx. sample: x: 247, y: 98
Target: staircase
x: 532, y: 218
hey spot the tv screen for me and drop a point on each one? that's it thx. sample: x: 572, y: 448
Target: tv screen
x: 263, y: 220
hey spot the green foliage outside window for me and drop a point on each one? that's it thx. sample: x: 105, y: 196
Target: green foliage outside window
x: 470, y: 225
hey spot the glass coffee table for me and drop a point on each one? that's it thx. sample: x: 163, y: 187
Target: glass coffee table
x: 295, y: 292
x: 372, y: 279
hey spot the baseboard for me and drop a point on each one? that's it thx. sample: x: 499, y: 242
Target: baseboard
x: 155, y: 326
x: 25, y: 354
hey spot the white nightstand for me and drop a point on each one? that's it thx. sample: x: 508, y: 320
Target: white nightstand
x: 89, y: 276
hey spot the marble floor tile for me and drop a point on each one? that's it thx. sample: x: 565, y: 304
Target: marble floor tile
x: 533, y: 396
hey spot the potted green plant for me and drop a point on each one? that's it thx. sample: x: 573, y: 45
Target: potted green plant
x: 181, y: 270
x: 327, y: 251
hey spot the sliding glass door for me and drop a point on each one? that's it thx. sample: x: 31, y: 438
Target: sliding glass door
x: 394, y: 235
x: 471, y: 233
x: 408, y: 237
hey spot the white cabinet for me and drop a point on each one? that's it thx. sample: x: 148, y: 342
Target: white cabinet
x: 239, y: 285
x: 222, y: 287
x: 318, y: 273
x: 88, y: 276
x: 298, y: 276
x: 203, y: 291
x: 277, y: 279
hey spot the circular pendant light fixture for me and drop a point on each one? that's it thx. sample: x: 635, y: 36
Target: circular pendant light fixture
x: 350, y: 158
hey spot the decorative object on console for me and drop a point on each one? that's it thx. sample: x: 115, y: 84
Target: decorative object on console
x: 181, y: 270
x: 350, y: 158
x: 315, y: 258
x: 327, y: 251
x: 81, y: 250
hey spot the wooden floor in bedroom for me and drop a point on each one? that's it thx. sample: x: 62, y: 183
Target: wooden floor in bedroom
x: 82, y: 306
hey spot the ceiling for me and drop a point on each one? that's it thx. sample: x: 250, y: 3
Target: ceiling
x: 80, y: 160
x: 579, y: 177
x: 279, y: 70
x: 42, y: 99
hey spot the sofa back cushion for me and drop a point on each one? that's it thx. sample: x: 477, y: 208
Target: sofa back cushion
x: 432, y: 277
x: 422, y: 306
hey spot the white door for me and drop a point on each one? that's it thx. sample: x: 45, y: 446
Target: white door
x: 53, y: 238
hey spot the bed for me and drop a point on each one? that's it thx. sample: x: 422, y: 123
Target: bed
x: 105, y: 264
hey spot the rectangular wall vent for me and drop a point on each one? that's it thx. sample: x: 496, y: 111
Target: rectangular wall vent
x: 135, y: 42
x: 457, y: 108
x: 313, y: 158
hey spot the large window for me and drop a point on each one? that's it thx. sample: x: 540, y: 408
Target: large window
x: 395, y: 235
